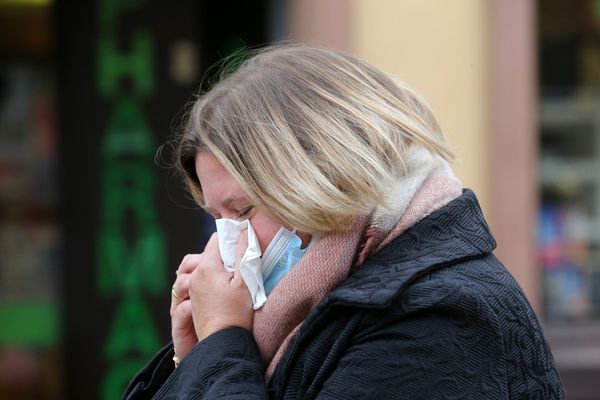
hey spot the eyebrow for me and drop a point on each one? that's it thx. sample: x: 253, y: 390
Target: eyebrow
x: 226, y: 203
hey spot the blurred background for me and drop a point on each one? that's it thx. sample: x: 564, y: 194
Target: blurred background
x: 92, y: 225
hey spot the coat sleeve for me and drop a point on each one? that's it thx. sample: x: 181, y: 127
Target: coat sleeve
x: 227, y: 364
x: 431, y: 352
x: 146, y: 383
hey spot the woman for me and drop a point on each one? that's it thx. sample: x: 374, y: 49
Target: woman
x: 394, y: 291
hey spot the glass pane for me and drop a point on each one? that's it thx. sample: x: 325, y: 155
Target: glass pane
x: 569, y: 169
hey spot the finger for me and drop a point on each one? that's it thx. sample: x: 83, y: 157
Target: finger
x: 212, y: 247
x: 210, y: 269
x: 176, y: 301
x: 189, y: 263
x: 182, y: 329
x: 181, y: 286
x: 180, y: 290
x: 182, y: 314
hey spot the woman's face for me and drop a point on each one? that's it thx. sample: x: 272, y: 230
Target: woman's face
x: 225, y: 198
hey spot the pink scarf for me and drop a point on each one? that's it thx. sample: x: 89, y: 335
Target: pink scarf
x: 429, y: 186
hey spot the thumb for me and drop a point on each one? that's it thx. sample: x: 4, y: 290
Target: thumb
x: 212, y: 248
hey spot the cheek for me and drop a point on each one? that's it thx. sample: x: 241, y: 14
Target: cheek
x: 265, y: 229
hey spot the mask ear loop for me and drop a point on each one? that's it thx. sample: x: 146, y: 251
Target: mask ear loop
x: 305, y: 247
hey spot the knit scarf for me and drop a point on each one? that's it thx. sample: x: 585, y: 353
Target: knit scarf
x: 428, y: 185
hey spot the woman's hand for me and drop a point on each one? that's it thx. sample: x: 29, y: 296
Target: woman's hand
x: 182, y: 325
x: 219, y: 299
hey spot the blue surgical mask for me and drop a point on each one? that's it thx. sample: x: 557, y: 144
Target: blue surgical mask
x: 280, y: 256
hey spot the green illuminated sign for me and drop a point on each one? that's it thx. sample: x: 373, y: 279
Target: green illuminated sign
x: 128, y: 268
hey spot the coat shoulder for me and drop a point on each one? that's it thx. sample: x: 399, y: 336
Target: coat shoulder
x: 480, y: 280
x: 482, y: 293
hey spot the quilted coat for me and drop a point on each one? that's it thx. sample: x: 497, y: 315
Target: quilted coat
x: 433, y: 315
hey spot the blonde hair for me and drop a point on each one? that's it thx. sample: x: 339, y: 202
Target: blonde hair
x: 314, y: 136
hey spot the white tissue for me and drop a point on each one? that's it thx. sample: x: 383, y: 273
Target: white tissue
x: 229, y: 231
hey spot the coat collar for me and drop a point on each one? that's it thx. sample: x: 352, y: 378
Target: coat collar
x: 455, y: 232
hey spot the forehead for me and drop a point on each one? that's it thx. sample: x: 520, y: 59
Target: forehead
x: 219, y: 188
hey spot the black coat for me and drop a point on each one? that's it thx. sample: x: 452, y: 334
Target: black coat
x: 433, y: 315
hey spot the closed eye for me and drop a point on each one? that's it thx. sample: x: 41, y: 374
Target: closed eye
x: 245, y: 212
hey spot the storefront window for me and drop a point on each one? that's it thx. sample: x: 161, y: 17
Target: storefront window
x: 569, y: 170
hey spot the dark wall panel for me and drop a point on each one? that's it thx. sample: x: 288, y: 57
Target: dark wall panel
x: 126, y: 70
